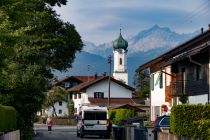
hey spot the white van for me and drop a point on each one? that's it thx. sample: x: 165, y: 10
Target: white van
x: 93, y: 120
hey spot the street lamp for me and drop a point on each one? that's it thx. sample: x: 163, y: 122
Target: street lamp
x: 110, y: 62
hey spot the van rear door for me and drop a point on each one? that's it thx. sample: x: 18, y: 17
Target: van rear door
x: 95, y: 120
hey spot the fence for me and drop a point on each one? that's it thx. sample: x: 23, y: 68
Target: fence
x: 14, y: 135
x: 131, y: 132
x: 168, y: 136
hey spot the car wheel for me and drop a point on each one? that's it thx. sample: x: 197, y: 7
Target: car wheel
x: 107, y: 136
x: 81, y: 134
x: 77, y: 133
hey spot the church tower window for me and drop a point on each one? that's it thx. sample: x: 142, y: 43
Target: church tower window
x: 120, y: 61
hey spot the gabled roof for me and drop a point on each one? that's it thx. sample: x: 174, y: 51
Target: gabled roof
x: 128, y: 106
x: 66, y: 79
x: 177, y: 50
x: 113, y: 101
x: 89, y: 83
x: 79, y: 79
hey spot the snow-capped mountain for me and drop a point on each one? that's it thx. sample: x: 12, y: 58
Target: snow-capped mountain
x: 147, y: 40
x: 143, y: 47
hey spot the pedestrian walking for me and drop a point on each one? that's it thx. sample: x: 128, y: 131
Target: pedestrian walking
x: 49, y: 123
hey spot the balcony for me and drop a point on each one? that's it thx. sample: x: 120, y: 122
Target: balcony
x: 187, y: 87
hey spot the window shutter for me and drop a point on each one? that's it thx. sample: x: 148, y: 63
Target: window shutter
x: 152, y: 82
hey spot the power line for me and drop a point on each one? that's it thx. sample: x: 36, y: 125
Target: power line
x: 202, y: 9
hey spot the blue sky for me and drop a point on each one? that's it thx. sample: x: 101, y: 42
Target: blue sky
x: 99, y: 21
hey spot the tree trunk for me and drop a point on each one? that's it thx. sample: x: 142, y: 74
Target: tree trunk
x: 54, y: 111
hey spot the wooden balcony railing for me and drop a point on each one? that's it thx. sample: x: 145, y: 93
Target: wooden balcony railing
x: 187, y: 87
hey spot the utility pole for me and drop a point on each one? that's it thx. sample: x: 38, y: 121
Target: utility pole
x: 88, y: 68
x: 110, y: 62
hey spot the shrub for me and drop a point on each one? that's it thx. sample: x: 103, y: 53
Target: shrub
x: 190, y: 120
x: 203, y: 128
x: 8, y: 118
x: 117, y: 115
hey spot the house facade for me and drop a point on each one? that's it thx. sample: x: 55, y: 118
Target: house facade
x: 97, y: 92
x: 181, y: 75
x: 190, y: 67
x: 60, y: 109
x: 66, y: 83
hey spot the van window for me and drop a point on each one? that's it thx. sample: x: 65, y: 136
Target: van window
x: 165, y: 121
x: 95, y: 115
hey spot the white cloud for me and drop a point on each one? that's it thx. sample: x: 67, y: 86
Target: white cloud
x: 98, y: 20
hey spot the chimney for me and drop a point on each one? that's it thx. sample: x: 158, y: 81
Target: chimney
x: 202, y: 30
x: 209, y: 26
x: 96, y: 76
x: 104, y: 74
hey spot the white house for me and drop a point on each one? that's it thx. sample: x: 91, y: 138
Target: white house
x: 60, y: 109
x: 158, y: 85
x: 97, y: 92
x: 181, y: 73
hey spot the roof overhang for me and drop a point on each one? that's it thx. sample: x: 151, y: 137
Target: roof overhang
x: 186, y: 54
x: 166, y: 58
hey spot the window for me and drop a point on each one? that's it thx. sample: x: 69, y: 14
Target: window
x: 79, y: 96
x: 98, y: 95
x: 75, y: 96
x: 60, y: 103
x: 60, y: 111
x: 198, y: 72
x: 152, y: 82
x: 120, y: 61
x: 66, y: 84
x: 165, y: 121
x: 161, y: 80
x: 95, y: 115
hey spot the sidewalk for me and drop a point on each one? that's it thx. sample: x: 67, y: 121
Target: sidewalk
x: 55, y: 127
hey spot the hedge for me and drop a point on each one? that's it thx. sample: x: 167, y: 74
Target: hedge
x: 117, y: 115
x: 191, y: 121
x: 8, y: 118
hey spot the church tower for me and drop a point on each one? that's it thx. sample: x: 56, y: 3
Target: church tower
x: 120, y: 59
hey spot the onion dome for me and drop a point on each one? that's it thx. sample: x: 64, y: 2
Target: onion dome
x: 120, y: 43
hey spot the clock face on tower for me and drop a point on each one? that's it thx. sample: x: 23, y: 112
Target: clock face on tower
x: 120, y: 51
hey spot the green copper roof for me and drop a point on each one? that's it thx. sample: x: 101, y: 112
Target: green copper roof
x: 120, y: 43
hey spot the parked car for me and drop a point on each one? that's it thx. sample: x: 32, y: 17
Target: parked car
x: 93, y: 120
x: 161, y: 122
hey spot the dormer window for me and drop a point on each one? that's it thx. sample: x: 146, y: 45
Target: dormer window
x: 66, y: 84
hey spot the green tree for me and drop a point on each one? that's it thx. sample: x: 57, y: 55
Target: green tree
x: 117, y: 115
x: 142, y: 83
x: 33, y: 42
x: 55, y: 95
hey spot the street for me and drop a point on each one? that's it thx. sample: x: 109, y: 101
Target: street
x: 59, y: 133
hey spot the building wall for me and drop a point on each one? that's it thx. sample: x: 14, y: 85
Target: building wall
x: 117, y: 56
x: 121, y: 77
x: 208, y: 72
x: 158, y: 94
x: 120, y: 70
x: 199, y: 99
x: 116, y: 91
x: 58, y: 107
x: 79, y: 101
